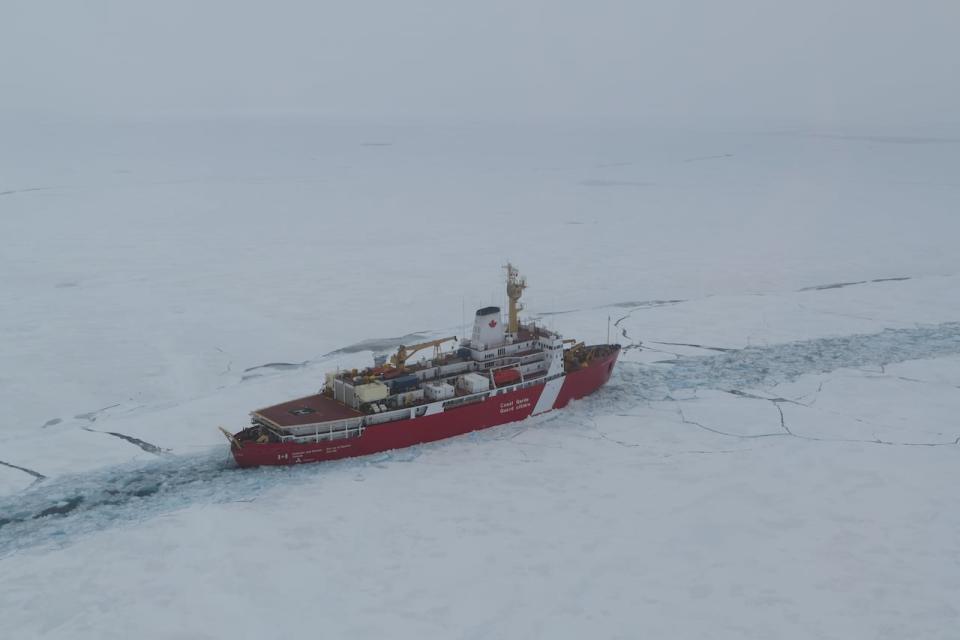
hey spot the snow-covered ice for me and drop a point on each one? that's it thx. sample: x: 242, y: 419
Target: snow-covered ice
x: 776, y: 455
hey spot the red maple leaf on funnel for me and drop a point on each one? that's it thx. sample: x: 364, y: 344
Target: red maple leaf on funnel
x: 493, y: 323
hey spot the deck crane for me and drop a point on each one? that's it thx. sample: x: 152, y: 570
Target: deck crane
x: 399, y: 359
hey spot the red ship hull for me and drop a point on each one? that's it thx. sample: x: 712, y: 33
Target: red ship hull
x: 494, y: 411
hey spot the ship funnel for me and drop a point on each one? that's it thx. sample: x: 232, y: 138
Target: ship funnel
x: 488, y: 329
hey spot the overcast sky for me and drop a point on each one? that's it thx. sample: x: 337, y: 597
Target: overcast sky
x: 845, y: 61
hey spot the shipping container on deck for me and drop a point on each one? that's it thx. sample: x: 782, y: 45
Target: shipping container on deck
x: 474, y: 383
x: 438, y: 391
x: 410, y: 397
x: 403, y: 383
x: 371, y: 392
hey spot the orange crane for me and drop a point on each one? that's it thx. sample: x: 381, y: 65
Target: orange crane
x: 399, y: 359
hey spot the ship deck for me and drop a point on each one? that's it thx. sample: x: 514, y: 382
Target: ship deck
x: 319, y: 408
x: 306, y: 410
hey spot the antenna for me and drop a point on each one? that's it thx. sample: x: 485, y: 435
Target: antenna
x: 515, y: 287
x: 608, y: 330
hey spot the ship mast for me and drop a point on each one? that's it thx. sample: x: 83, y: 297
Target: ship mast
x: 515, y: 287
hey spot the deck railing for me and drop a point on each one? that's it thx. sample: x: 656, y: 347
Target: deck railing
x: 353, y: 429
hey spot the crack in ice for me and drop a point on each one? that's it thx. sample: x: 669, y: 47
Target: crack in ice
x: 695, y: 346
x: 35, y: 474
x: 787, y: 431
x: 146, y: 446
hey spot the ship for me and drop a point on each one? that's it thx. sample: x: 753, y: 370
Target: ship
x: 502, y: 373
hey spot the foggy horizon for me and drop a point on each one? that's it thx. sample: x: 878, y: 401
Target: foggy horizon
x: 855, y: 62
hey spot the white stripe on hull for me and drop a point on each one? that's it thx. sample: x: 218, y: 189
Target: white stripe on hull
x: 549, y: 396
